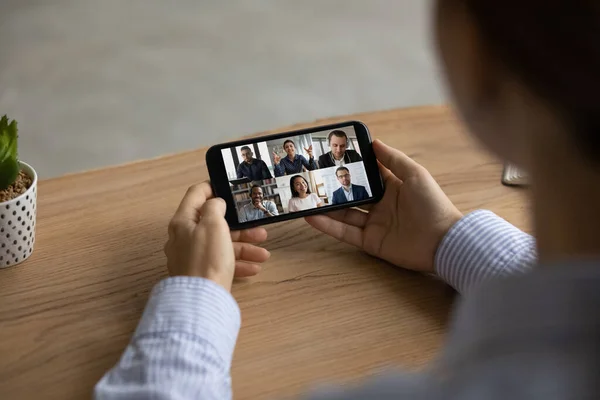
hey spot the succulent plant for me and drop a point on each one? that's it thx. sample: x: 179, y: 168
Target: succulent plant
x: 9, y: 166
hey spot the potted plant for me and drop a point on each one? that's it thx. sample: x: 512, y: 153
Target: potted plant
x: 18, y: 196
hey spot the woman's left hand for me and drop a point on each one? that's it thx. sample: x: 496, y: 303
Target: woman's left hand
x: 201, y: 244
x: 309, y: 151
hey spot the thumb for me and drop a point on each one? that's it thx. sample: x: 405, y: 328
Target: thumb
x: 396, y: 161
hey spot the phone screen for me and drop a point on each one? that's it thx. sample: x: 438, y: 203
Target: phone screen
x: 296, y: 173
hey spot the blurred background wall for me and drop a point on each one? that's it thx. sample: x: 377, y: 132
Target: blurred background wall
x: 94, y: 83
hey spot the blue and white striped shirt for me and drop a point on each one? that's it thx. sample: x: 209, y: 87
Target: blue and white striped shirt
x: 501, y: 344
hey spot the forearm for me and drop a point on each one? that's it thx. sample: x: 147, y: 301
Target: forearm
x: 182, y: 347
x: 480, y: 247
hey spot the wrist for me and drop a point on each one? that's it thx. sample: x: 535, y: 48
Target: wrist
x: 222, y: 279
x: 213, y: 274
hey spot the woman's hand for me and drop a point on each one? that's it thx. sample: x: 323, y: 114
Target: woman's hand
x: 276, y: 158
x: 201, y: 244
x: 407, y: 225
x: 309, y: 151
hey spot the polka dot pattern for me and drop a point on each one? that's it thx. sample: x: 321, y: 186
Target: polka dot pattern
x: 17, y: 225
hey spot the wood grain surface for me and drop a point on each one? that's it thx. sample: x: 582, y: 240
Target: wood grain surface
x: 319, y: 311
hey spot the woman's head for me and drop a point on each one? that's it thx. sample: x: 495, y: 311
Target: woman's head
x: 289, y: 147
x: 299, y: 186
x: 524, y: 73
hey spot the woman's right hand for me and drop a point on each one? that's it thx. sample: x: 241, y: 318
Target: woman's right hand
x: 407, y: 225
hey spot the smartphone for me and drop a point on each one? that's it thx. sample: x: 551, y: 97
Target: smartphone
x: 293, y: 174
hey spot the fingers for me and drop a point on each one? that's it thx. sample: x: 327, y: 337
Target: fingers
x: 350, y: 216
x: 192, y: 202
x: 244, y: 269
x: 337, y: 229
x: 250, y: 253
x: 252, y: 235
x: 401, y: 165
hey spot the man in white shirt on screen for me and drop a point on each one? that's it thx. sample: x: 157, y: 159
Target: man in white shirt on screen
x: 339, y: 154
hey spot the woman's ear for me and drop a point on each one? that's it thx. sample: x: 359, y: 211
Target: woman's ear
x: 478, y: 84
x: 470, y: 74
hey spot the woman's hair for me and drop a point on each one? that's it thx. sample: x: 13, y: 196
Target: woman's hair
x: 294, y: 192
x: 554, y: 48
x: 289, y: 141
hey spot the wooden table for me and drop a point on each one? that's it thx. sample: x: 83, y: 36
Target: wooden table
x: 320, y: 310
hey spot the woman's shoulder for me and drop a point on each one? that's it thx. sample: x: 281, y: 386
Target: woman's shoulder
x: 315, y: 197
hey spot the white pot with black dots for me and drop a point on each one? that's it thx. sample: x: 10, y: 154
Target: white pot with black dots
x: 17, y: 222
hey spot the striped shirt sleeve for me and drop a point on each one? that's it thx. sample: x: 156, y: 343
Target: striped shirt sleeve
x: 182, y: 347
x: 480, y: 247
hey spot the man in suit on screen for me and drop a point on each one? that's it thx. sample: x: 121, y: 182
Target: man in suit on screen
x: 348, y: 191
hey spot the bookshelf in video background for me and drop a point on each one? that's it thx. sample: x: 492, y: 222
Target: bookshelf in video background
x: 241, y: 193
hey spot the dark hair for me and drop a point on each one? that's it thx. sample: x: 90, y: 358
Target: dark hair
x: 245, y: 148
x: 337, y: 133
x: 289, y: 141
x: 341, y: 169
x: 254, y: 186
x: 294, y: 192
x: 553, y: 48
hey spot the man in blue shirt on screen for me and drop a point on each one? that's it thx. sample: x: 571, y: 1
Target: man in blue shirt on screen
x: 348, y: 191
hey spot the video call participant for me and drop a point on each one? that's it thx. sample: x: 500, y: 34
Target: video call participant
x: 339, y: 154
x: 252, y: 168
x: 258, y: 208
x: 293, y: 163
x: 302, y: 198
x: 348, y: 191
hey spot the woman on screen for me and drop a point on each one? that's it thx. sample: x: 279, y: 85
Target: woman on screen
x: 293, y: 163
x: 302, y: 198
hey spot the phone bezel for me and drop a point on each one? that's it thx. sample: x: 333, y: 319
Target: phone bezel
x: 220, y: 181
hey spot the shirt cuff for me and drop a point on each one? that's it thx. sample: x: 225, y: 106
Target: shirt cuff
x: 481, y: 246
x: 193, y: 306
